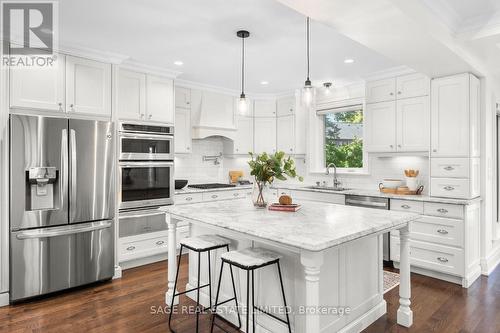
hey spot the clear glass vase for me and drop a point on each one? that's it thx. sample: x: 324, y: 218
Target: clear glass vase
x: 259, y: 194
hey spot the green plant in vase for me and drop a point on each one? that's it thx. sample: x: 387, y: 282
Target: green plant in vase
x: 265, y: 168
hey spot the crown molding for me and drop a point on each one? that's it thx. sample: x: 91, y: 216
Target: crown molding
x: 389, y: 73
x: 148, y: 69
x: 80, y: 51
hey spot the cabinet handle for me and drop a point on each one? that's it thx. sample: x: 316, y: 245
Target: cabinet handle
x: 142, y: 115
x: 392, y: 94
x: 130, y: 248
x: 449, y: 168
x: 434, y: 150
x: 60, y: 106
x: 187, y: 148
x: 236, y: 194
x: 71, y: 107
x: 442, y: 259
x: 442, y: 231
x: 405, y: 206
x: 150, y: 116
x: 187, y: 103
x: 391, y: 146
x: 449, y: 188
x: 291, y: 149
x: 214, y: 196
x: 399, y: 146
x: 399, y: 92
x: 160, y: 242
x: 442, y: 210
x: 189, y: 199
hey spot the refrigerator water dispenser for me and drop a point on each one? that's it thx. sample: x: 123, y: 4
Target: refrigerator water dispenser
x: 41, y: 183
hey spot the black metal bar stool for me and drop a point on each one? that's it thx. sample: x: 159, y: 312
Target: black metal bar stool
x: 199, y: 244
x: 251, y: 259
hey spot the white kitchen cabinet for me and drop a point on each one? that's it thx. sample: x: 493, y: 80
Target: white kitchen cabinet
x: 412, y: 85
x: 265, y: 135
x: 455, y: 116
x: 264, y: 108
x: 285, y: 136
x: 160, y: 99
x: 131, y: 95
x: 88, y: 87
x: 285, y: 106
x: 380, y: 127
x: 380, y: 90
x: 243, y: 141
x: 40, y: 89
x: 182, y: 130
x: 182, y: 97
x: 412, y: 128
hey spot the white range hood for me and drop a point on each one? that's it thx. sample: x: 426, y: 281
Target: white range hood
x: 212, y: 114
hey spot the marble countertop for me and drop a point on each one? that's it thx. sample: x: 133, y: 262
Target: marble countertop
x: 316, y: 227
x: 377, y: 193
x: 187, y: 190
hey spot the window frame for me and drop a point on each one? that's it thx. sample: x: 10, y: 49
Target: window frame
x: 343, y: 108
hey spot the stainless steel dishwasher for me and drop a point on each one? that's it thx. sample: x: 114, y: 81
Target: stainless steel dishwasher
x: 375, y: 203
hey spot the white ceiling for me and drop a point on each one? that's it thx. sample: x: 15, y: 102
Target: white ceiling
x: 201, y: 33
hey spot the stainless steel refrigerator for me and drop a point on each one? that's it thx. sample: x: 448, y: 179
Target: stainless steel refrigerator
x: 61, y: 204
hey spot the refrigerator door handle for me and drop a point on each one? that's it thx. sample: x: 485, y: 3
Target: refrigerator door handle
x: 72, y: 185
x: 62, y: 231
x: 64, y: 167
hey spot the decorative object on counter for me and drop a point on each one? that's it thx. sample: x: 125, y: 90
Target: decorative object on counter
x: 411, y: 179
x: 284, y: 208
x: 285, y: 200
x: 266, y: 168
x: 180, y: 183
x: 235, y: 176
x: 391, y: 183
x: 402, y: 190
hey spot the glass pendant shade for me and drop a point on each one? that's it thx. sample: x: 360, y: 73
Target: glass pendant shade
x: 243, y: 105
x: 307, y: 96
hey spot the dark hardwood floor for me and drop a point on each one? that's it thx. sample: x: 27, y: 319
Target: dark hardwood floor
x: 135, y: 303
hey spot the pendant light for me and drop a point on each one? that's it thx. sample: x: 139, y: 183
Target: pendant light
x: 308, y: 90
x: 243, y: 102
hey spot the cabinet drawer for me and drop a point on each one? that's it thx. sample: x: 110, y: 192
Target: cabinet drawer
x: 437, y: 230
x: 187, y: 198
x: 450, y: 167
x: 142, y: 248
x: 450, y: 188
x: 132, y: 226
x: 224, y: 195
x: 431, y: 256
x: 444, y: 210
x: 407, y: 206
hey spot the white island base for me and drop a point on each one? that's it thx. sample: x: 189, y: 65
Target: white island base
x: 336, y: 289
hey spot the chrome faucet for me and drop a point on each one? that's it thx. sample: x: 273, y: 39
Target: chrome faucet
x: 336, y: 182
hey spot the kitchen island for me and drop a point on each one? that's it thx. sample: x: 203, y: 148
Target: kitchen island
x: 331, y: 260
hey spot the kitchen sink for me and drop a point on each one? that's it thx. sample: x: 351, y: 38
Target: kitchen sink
x: 328, y: 188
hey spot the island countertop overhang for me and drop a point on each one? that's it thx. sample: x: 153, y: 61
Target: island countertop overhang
x: 316, y: 227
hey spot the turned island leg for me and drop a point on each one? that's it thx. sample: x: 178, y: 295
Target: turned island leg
x: 172, y: 263
x: 312, y: 261
x: 405, y: 315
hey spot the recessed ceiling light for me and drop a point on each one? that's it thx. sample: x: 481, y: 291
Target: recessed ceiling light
x: 348, y: 61
x: 178, y: 63
x: 264, y: 83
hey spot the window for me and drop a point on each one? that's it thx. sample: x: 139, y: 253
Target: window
x: 344, y: 138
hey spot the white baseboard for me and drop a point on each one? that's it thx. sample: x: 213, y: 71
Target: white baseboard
x: 118, y: 272
x: 491, y: 261
x: 4, y: 299
x: 439, y: 275
x: 143, y: 261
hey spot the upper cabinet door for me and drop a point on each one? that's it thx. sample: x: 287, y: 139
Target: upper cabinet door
x: 413, y: 85
x: 412, y: 116
x: 243, y: 141
x: 286, y: 134
x: 131, y: 96
x: 41, y: 89
x: 381, y: 90
x: 264, y: 108
x: 182, y: 97
x: 182, y: 130
x: 160, y: 100
x: 380, y: 122
x: 88, y: 86
x: 450, y: 116
x: 265, y: 135
x: 286, y: 106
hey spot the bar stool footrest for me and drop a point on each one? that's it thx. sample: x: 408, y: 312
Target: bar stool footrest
x: 190, y: 290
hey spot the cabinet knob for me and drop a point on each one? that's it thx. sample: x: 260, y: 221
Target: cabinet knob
x: 391, y: 146
x: 392, y: 94
x: 236, y: 194
x: 291, y: 149
x: 215, y: 196
x: 187, y: 148
x: 449, y: 188
x: 142, y: 115
x: 160, y: 242
x: 442, y: 259
x: 442, y: 231
x: 449, y: 168
x: 399, y: 146
x: 71, y: 107
x: 434, y: 150
x: 399, y: 92
x: 130, y: 248
x: 187, y: 103
x: 150, y: 116
x: 405, y: 206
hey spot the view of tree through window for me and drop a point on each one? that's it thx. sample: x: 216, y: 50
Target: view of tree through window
x: 344, y: 139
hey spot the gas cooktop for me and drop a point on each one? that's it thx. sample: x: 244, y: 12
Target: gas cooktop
x: 210, y: 186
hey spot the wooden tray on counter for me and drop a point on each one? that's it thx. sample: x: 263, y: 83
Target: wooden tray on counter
x: 402, y: 190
